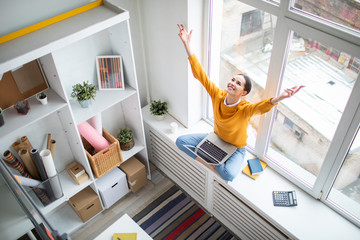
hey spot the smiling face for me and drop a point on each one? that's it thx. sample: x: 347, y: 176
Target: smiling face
x: 235, y: 87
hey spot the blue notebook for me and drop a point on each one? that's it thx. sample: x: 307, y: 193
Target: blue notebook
x: 255, y: 166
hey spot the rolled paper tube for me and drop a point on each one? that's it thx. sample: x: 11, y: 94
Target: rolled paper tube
x: 92, y: 136
x: 16, y: 146
x: 51, y: 172
x: 27, y: 181
x: 96, y: 122
x: 39, y: 164
x: 48, y: 141
x: 29, y: 163
x: 15, y: 163
x: 52, y: 147
x: 24, y: 143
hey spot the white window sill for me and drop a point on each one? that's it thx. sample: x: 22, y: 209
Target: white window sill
x: 311, y: 219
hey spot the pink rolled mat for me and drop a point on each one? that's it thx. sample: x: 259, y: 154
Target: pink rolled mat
x: 93, y: 136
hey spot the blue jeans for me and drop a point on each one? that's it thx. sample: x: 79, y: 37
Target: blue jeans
x: 229, y: 170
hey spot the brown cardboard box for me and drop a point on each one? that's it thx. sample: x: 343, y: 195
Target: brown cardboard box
x: 86, y: 204
x: 135, y: 173
x: 77, y: 173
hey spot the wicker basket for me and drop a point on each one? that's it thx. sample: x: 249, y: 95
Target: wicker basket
x: 105, y: 160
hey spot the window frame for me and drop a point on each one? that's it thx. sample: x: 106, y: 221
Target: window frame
x: 292, y: 20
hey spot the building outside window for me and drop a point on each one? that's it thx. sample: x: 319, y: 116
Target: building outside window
x: 306, y: 138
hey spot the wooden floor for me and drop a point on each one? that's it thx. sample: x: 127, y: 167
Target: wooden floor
x: 131, y: 204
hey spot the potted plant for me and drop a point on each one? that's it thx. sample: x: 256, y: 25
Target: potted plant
x: 84, y: 93
x: 22, y: 107
x: 42, y: 98
x: 158, y: 109
x: 126, y: 139
x: 2, y: 120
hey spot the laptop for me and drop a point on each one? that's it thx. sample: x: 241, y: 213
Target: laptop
x: 213, y: 150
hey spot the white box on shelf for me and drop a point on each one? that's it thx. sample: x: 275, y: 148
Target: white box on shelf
x: 112, y: 187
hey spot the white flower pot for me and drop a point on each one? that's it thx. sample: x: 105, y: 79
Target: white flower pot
x: 160, y: 117
x: 86, y: 103
x: 43, y: 101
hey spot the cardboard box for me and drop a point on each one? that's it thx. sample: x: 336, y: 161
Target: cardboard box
x: 112, y: 186
x: 77, y: 172
x: 86, y: 204
x: 135, y: 173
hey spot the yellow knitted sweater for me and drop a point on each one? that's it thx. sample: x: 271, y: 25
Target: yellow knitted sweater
x: 230, y: 123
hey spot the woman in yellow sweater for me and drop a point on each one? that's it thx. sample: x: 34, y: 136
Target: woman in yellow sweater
x: 232, y: 112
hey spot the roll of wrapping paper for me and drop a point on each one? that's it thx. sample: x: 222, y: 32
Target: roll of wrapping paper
x: 43, y: 197
x: 96, y: 122
x: 52, y: 147
x: 24, y: 143
x: 15, y: 163
x: 92, y: 136
x: 30, y: 166
x: 27, y: 181
x: 39, y: 164
x: 51, y: 172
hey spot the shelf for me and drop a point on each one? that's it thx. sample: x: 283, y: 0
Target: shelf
x: 69, y: 187
x: 48, y: 39
x: 65, y: 220
x: 104, y: 99
x: 15, y: 121
x: 128, y: 154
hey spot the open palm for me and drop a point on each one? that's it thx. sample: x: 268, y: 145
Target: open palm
x: 184, y: 35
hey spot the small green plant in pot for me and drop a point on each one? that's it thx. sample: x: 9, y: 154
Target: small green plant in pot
x: 42, y: 98
x: 84, y: 93
x: 126, y: 139
x: 158, y: 109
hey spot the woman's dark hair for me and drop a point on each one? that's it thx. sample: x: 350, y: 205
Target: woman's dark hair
x: 248, y: 84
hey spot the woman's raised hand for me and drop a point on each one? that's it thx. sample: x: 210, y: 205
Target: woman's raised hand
x: 186, y: 39
x: 291, y: 91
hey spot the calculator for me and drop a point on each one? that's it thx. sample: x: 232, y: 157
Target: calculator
x: 284, y: 198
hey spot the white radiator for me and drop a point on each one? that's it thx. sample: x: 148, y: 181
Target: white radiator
x: 163, y: 155
x: 246, y: 221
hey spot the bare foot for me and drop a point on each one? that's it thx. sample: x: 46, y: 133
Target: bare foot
x: 211, y: 167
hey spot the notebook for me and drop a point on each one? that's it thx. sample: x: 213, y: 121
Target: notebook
x: 255, y: 166
x: 213, y: 150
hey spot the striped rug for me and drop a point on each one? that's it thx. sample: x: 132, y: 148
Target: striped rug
x: 175, y: 216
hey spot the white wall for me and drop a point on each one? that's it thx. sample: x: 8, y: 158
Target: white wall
x: 168, y: 71
x: 138, y: 46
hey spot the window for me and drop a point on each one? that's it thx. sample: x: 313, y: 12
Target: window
x: 307, y: 138
x: 345, y: 193
x: 344, y: 13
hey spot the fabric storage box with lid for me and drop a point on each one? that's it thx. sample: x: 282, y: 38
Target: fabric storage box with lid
x: 86, y: 203
x: 135, y: 173
x: 105, y: 160
x: 112, y: 187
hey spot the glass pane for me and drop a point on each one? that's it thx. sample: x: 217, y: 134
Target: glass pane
x: 246, y: 43
x: 305, y: 124
x: 345, y: 13
x: 346, y: 190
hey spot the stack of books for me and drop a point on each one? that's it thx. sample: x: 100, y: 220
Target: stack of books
x: 254, y: 168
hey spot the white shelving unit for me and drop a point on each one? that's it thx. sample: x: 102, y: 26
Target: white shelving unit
x: 67, y: 51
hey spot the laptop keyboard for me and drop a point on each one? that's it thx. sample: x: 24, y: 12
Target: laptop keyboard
x: 213, y: 150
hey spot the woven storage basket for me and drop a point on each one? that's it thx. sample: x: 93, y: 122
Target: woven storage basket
x: 105, y: 160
